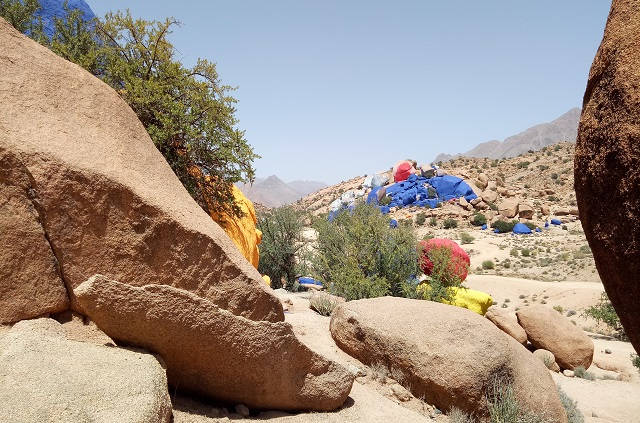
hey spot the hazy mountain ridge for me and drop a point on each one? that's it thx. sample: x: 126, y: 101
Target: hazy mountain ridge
x: 562, y: 129
x: 274, y: 192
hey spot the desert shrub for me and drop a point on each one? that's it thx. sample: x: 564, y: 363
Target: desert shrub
x: 281, y: 243
x: 526, y: 252
x: 443, y: 278
x: 323, y: 303
x: 514, y: 252
x: 458, y: 416
x: 503, y: 226
x: 530, y: 225
x: 385, y: 201
x: 581, y: 372
x: 487, y: 265
x: 523, y: 165
x: 450, y: 223
x: 570, y: 407
x: 479, y: 219
x: 603, y: 312
x: 433, y: 221
x: 558, y: 308
x: 421, y: 218
x: 635, y: 360
x: 359, y: 256
x: 465, y: 238
x: 506, y: 264
x: 431, y: 192
x: 21, y: 14
x: 504, y: 407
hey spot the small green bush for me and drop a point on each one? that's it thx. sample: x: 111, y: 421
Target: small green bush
x: 514, y: 252
x: 504, y: 407
x: 479, y: 219
x: 503, y: 226
x: 465, y: 238
x: 450, y: 223
x: 558, y: 308
x: 570, y: 407
x: 603, y: 312
x: 582, y: 373
x: 323, y: 303
x: 433, y: 221
x: 530, y: 225
x: 421, y: 218
x: 487, y: 265
x: 635, y: 360
x: 385, y: 201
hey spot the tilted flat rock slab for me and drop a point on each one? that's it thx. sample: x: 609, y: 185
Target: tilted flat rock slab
x: 212, y: 352
x: 446, y: 354
x: 30, y: 283
x: 607, y: 161
x: 549, y: 330
x: 46, y: 378
x: 109, y: 202
x: 506, y: 323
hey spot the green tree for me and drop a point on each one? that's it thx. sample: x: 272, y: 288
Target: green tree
x: 358, y: 255
x: 603, y: 312
x: 188, y: 112
x: 281, y: 245
x: 21, y: 14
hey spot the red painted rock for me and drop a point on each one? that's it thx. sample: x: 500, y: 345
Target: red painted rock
x: 460, y: 261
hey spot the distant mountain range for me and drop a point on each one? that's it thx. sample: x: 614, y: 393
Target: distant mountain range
x: 564, y: 128
x: 273, y: 192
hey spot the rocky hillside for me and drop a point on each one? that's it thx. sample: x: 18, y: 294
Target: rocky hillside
x: 532, y: 186
x: 564, y: 128
x: 274, y: 192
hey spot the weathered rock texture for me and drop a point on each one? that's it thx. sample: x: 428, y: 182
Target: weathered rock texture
x: 107, y: 200
x: 212, y: 352
x: 30, y: 284
x: 506, y: 323
x: 607, y: 163
x: 547, y: 358
x: 45, y: 377
x: 547, y: 329
x: 447, y: 354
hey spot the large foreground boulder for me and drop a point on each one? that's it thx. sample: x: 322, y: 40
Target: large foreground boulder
x: 45, y: 377
x: 607, y: 160
x: 212, y: 352
x: 107, y: 200
x: 547, y: 329
x: 448, y: 355
x: 30, y: 283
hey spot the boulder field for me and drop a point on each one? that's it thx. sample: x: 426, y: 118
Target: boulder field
x: 89, y: 193
x: 607, y: 163
x: 446, y: 354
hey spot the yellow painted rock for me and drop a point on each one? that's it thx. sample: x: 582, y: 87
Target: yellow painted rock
x: 471, y: 299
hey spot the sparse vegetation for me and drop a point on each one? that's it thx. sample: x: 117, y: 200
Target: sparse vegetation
x: 635, y: 360
x: 504, y: 407
x: 421, y: 218
x: 465, y: 238
x: 450, y: 223
x: 558, y: 308
x: 582, y: 373
x: 433, y: 221
x: 479, y: 219
x: 488, y: 265
x: 570, y: 407
x: 603, y: 312
x: 503, y: 226
x: 323, y: 303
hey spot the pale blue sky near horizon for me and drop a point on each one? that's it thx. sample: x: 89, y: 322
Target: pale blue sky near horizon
x: 334, y: 89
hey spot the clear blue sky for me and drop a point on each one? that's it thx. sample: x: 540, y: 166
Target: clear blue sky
x: 332, y: 89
